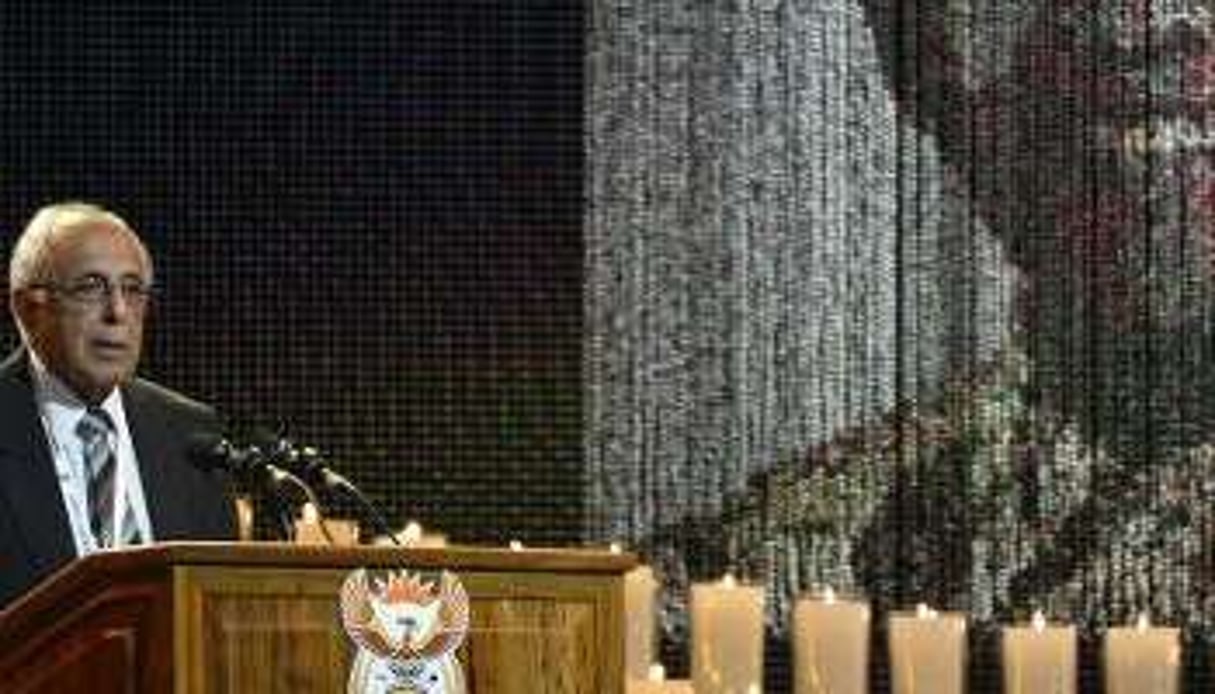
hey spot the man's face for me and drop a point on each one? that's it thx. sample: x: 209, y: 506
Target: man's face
x: 1112, y: 126
x: 1089, y: 144
x: 83, y: 324
x: 1116, y: 178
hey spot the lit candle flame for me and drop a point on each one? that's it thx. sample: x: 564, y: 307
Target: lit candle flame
x: 1142, y: 622
x: 728, y: 581
x: 615, y: 548
x: 1039, y: 621
x: 412, y: 533
x: 923, y: 611
x: 829, y: 595
x: 309, y: 514
x: 516, y: 546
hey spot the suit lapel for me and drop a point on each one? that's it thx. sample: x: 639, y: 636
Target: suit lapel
x: 29, y: 488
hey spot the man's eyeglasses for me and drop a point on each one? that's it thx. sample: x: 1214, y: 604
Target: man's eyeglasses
x: 96, y: 290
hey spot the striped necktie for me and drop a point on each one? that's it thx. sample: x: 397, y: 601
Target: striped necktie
x: 96, y: 430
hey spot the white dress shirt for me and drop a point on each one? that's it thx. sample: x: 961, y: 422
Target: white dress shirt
x: 60, y: 410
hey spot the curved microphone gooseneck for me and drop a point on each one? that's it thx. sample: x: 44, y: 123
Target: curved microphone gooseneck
x: 254, y: 469
x: 308, y: 463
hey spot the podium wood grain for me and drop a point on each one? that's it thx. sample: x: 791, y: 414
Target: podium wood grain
x: 265, y: 618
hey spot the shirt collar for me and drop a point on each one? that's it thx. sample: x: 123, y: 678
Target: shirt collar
x: 55, y: 395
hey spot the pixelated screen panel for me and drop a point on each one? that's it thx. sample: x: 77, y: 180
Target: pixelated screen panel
x: 908, y: 297
x: 366, y: 222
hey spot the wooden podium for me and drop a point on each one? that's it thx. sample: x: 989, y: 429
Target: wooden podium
x: 265, y: 618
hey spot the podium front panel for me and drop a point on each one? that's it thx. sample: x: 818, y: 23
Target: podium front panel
x: 252, y: 629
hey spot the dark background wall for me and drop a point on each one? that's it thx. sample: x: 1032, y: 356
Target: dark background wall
x: 367, y: 222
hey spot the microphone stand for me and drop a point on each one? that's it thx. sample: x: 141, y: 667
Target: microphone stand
x: 310, y: 466
x: 256, y: 471
x: 278, y: 476
x: 281, y: 463
x: 247, y: 467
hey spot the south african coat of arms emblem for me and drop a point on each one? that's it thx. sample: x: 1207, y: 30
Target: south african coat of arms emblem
x: 407, y: 630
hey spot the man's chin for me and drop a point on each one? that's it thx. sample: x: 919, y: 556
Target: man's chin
x: 100, y: 383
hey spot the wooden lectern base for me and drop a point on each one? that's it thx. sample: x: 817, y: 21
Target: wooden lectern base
x: 264, y: 617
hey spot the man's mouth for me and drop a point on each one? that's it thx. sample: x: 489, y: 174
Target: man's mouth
x: 111, y: 348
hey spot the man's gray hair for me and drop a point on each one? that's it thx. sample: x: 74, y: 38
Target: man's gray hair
x: 29, y: 262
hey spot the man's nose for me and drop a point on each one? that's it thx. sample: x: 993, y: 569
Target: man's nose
x: 117, y: 305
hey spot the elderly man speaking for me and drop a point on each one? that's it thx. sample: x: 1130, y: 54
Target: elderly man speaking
x: 91, y: 456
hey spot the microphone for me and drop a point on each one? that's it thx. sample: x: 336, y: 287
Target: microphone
x: 252, y: 467
x: 209, y: 451
x: 308, y: 464
x: 314, y: 467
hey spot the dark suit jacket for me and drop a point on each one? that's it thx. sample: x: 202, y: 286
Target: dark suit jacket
x: 35, y: 537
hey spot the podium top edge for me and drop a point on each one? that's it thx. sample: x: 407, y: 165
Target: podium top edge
x: 455, y: 557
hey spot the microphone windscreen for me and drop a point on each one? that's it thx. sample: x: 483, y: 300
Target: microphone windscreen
x: 208, y: 451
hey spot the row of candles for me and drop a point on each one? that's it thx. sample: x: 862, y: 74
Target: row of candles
x: 831, y: 647
x: 831, y: 640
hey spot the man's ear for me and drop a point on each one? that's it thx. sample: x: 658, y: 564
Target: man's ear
x: 21, y: 306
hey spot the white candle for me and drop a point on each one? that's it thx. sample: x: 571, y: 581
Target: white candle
x: 414, y: 535
x: 640, y: 590
x: 928, y: 652
x: 830, y: 645
x: 308, y: 530
x: 1142, y: 659
x: 656, y: 682
x: 244, y: 518
x: 727, y: 637
x: 1039, y: 658
x: 410, y: 534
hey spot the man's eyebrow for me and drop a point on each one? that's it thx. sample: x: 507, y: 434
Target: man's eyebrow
x: 95, y: 275
x: 88, y: 276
